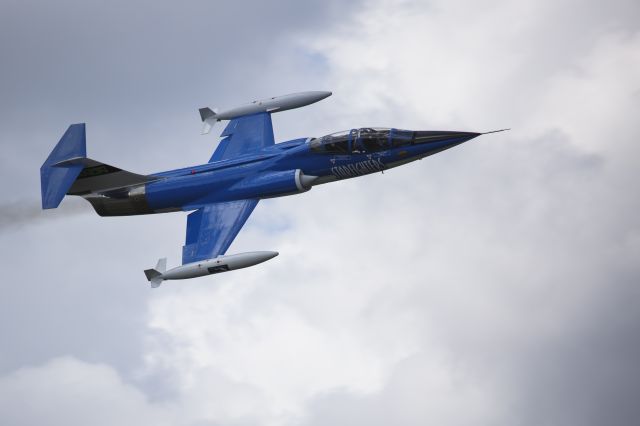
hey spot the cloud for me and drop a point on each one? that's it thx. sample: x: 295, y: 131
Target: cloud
x: 68, y: 391
x: 422, y: 389
x: 521, y: 251
x: 493, y: 283
x: 473, y: 279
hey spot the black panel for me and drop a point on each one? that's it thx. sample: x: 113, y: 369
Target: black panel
x: 218, y: 269
x: 102, y: 169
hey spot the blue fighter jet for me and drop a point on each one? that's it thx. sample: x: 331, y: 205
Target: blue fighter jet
x: 247, y: 166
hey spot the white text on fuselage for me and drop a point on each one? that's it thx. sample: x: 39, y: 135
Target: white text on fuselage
x: 358, y: 169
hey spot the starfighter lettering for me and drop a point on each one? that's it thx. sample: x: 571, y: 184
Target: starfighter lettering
x: 358, y: 169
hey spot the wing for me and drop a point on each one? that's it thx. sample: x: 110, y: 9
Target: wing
x: 212, y: 229
x: 243, y: 135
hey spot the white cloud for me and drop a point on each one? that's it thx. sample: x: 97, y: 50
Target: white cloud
x: 419, y: 295
x: 284, y: 339
x: 484, y: 284
x: 66, y: 391
x: 596, y: 101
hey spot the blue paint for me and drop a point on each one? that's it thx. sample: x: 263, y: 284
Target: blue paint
x: 212, y: 229
x: 246, y: 166
x: 55, y: 180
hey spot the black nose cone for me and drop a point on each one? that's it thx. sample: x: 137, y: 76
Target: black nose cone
x: 433, y: 136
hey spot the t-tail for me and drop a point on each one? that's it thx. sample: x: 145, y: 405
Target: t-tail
x: 155, y: 275
x: 68, y: 171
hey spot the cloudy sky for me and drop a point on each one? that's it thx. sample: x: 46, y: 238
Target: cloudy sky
x: 495, y: 283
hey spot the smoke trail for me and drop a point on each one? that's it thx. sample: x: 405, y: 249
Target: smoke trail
x: 19, y: 214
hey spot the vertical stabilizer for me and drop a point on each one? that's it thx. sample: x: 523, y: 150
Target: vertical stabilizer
x: 209, y: 119
x: 56, y: 179
x: 162, y: 265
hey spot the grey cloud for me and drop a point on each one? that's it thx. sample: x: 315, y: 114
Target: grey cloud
x: 143, y: 53
x: 586, y: 375
x: 503, y: 272
x: 525, y: 305
x: 136, y: 73
x: 68, y: 391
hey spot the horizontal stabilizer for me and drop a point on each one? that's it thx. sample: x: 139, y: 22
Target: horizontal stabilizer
x: 151, y: 274
x: 100, y: 177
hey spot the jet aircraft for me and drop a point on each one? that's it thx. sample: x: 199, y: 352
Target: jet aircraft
x: 247, y: 166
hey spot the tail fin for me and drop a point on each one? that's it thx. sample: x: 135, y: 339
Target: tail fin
x: 161, y: 266
x: 209, y: 119
x: 68, y: 171
x: 155, y: 275
x: 56, y: 179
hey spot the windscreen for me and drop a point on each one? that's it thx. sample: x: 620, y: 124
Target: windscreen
x: 374, y: 139
x: 363, y: 140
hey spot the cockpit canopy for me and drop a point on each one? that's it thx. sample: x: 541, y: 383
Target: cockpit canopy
x: 372, y: 139
x: 366, y: 139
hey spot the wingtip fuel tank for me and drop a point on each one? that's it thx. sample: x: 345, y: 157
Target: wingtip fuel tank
x: 274, y: 104
x: 207, y: 267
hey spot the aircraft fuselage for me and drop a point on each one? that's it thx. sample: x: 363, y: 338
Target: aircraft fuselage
x: 282, y: 169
